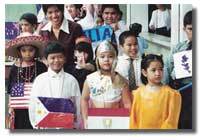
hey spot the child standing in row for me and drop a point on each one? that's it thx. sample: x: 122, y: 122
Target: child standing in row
x: 84, y: 63
x: 170, y: 78
x: 155, y: 106
x: 27, y: 48
x: 55, y: 83
x: 104, y: 88
x: 130, y: 59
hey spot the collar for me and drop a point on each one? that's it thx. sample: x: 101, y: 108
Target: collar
x: 64, y: 26
x: 126, y: 57
x: 53, y: 74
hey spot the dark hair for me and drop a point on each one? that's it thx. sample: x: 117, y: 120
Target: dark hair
x: 87, y: 48
x: 54, y: 47
x: 36, y: 50
x: 135, y: 28
x: 125, y: 35
x: 100, y: 16
x: 30, y: 18
x: 146, y: 60
x: 114, y: 6
x: 187, y: 18
x: 59, y: 6
x: 78, y: 6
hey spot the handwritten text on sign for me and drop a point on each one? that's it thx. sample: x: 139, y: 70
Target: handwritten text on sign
x: 183, y: 64
x: 99, y: 34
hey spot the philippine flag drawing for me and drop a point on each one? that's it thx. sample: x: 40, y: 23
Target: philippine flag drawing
x: 54, y: 113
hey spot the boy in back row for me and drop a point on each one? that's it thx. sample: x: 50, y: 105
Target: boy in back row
x: 130, y: 59
x: 185, y: 121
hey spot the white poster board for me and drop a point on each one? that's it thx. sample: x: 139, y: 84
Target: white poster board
x: 108, y: 118
x: 183, y: 64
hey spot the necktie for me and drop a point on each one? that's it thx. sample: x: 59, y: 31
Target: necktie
x: 131, y: 76
x: 190, y: 46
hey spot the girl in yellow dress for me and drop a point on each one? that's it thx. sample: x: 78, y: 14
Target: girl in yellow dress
x: 155, y: 105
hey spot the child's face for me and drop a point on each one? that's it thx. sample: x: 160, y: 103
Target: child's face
x: 56, y: 61
x: 130, y: 47
x: 106, y: 60
x: 26, y: 26
x: 27, y: 53
x: 110, y: 15
x: 72, y: 10
x: 188, y: 31
x: 154, y: 72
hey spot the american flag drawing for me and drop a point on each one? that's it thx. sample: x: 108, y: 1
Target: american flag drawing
x: 20, y: 95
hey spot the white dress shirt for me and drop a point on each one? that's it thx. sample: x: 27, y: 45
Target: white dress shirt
x: 56, y: 85
x: 123, y: 65
x: 161, y: 19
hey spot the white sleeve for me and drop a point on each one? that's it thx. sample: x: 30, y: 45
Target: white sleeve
x: 77, y: 95
x: 67, y: 15
x: 32, y: 103
x: 88, y: 21
x: 153, y: 19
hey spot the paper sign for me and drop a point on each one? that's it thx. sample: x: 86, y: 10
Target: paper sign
x: 108, y: 118
x: 54, y: 113
x: 99, y: 34
x: 183, y: 64
x: 11, y: 30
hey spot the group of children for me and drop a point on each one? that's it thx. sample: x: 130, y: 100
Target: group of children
x: 152, y: 104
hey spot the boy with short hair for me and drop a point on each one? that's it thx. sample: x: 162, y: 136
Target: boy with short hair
x: 185, y: 121
x: 130, y: 59
x: 55, y: 83
x: 111, y: 14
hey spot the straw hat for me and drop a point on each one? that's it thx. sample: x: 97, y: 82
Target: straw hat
x: 25, y: 39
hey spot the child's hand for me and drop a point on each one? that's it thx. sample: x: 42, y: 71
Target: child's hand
x: 80, y: 61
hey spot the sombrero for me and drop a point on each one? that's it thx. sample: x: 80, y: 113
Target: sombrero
x: 25, y: 39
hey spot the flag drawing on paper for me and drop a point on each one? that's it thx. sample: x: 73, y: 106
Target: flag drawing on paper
x: 108, y: 118
x: 183, y: 64
x: 54, y: 113
x: 11, y: 30
x: 20, y: 95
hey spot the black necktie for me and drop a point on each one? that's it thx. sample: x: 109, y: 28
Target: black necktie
x: 190, y: 46
x: 131, y: 76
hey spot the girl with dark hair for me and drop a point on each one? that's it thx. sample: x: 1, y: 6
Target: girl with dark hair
x: 28, y: 23
x: 155, y: 105
x: 84, y: 64
x: 27, y: 48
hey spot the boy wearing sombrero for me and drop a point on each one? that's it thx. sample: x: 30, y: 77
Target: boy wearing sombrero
x: 27, y: 47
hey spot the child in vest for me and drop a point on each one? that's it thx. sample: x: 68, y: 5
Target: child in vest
x: 26, y: 48
x: 105, y: 88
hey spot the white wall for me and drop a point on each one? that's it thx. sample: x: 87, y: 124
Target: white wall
x: 138, y: 13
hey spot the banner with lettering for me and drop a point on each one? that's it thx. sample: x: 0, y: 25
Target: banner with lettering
x: 99, y: 34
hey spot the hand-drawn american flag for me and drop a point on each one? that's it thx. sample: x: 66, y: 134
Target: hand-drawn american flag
x: 20, y: 95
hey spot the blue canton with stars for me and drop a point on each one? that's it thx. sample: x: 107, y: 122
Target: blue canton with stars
x: 17, y: 90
